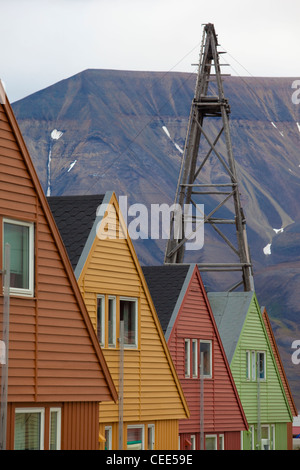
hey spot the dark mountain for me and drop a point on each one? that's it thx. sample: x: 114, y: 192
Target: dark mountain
x: 124, y: 131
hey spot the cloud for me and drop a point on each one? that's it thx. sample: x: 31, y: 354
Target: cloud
x: 47, y: 41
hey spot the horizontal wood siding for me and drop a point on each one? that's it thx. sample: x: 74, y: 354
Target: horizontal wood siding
x: 149, y: 386
x: 272, y: 406
x: 51, y: 354
x: 221, y: 410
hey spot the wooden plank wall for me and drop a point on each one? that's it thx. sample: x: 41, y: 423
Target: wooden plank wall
x: 273, y: 407
x: 149, y: 386
x: 222, y: 412
x: 51, y: 353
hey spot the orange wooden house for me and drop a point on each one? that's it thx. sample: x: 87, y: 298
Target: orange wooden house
x: 53, y: 370
x: 151, y: 401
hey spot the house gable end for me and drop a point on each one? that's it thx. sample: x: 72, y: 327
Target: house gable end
x: 109, y: 267
x: 52, y: 344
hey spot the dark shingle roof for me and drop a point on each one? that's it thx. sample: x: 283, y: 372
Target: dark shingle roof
x: 165, y: 284
x: 230, y: 310
x: 74, y: 217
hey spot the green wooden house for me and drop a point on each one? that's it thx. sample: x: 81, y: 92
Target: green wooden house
x: 254, y: 369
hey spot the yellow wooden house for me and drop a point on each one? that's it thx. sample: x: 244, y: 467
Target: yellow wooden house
x: 151, y: 401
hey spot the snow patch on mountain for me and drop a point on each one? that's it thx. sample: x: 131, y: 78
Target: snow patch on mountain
x: 71, y: 166
x: 274, y: 125
x: 55, y: 134
x: 267, y: 249
x: 165, y: 129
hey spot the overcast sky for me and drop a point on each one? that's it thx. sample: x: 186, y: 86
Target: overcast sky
x: 44, y: 41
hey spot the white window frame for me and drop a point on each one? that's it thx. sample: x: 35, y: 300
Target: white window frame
x: 265, y: 440
x: 113, y: 299
x: 206, y: 341
x: 58, y: 436
x: 248, y: 365
x: 15, y: 290
x: 273, y: 447
x: 137, y: 426
x: 195, y: 358
x: 135, y: 301
x: 265, y: 364
x: 151, y: 433
x: 221, y: 441
x: 101, y: 340
x: 41, y: 411
x: 215, y: 439
x: 108, y: 444
x: 253, y: 365
x: 193, y: 442
x: 187, y: 358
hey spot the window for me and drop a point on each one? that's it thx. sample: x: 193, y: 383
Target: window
x: 20, y: 236
x: 100, y: 319
x: 112, y: 321
x: 108, y: 437
x: 221, y: 441
x: 205, y: 357
x: 151, y: 437
x: 255, y: 365
x: 187, y: 345
x: 248, y: 365
x: 135, y: 437
x: 111, y: 310
x: 193, y: 442
x: 265, y: 438
x: 261, y: 365
x: 29, y: 429
x: 128, y: 314
x: 55, y: 427
x: 210, y: 442
x: 272, y: 437
x: 195, y: 358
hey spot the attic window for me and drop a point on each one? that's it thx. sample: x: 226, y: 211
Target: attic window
x: 206, y: 358
x: 20, y: 236
x: 128, y: 313
x: 111, y: 310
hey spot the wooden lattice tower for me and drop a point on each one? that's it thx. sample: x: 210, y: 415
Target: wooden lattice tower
x: 210, y: 104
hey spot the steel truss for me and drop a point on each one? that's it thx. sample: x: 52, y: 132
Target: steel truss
x: 192, y: 182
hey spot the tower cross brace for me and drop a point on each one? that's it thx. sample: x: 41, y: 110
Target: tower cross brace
x: 210, y: 105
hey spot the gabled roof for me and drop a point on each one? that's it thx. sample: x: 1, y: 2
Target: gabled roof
x: 167, y: 285
x: 230, y: 310
x: 22, y: 153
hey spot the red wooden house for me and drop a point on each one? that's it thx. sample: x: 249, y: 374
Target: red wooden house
x: 53, y: 371
x: 216, y: 414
